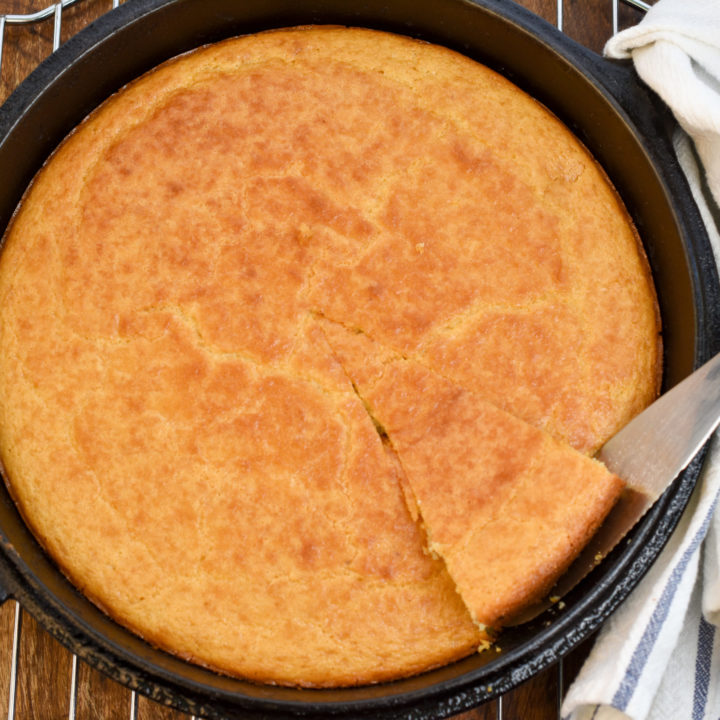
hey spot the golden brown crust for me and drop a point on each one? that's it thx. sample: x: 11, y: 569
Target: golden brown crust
x: 176, y: 430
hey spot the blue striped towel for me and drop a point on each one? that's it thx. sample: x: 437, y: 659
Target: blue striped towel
x: 658, y: 657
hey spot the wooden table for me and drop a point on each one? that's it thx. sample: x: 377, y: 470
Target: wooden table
x: 45, y: 669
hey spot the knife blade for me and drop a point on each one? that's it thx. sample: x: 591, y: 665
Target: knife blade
x: 647, y: 454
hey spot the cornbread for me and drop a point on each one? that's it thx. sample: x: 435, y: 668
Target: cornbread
x: 275, y: 311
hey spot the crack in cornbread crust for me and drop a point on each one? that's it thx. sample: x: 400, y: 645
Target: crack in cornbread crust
x: 158, y: 329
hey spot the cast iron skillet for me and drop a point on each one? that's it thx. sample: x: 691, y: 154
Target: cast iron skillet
x: 603, y: 103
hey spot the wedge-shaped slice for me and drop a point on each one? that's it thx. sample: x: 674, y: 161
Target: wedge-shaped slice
x: 506, y: 506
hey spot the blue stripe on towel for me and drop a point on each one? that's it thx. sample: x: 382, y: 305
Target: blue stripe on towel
x: 706, y: 638
x: 642, y: 652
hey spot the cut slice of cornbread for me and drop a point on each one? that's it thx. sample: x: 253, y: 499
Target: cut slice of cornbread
x: 505, y: 505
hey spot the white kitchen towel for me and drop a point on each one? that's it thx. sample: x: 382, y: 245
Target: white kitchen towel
x: 658, y: 657
x: 676, y: 51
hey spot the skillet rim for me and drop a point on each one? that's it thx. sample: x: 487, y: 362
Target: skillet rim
x: 618, y: 85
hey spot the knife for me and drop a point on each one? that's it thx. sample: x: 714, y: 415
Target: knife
x: 647, y: 454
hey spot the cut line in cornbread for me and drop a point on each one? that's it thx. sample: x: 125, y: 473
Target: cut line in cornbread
x: 505, y: 505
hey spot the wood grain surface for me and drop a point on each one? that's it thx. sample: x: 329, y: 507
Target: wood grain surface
x: 45, y: 668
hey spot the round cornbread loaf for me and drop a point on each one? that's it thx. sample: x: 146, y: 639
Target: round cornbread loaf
x: 175, y: 424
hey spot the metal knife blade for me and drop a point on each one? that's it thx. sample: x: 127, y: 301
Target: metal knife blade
x: 652, y: 449
x: 648, y: 454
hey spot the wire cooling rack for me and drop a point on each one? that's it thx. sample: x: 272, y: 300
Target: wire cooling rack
x: 54, y: 14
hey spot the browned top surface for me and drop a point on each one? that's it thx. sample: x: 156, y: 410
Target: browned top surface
x: 152, y: 336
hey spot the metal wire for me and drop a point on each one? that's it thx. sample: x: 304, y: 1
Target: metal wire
x: 2, y: 38
x: 133, y: 705
x: 29, y: 18
x: 12, y: 695
x: 55, y: 11
x: 73, y: 688
x: 57, y: 25
x: 560, y: 686
x: 638, y: 4
x: 614, y: 17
